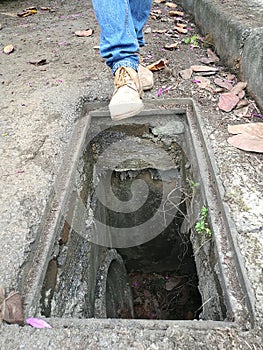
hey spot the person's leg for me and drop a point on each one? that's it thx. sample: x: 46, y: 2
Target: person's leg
x: 119, y: 42
x: 140, y: 11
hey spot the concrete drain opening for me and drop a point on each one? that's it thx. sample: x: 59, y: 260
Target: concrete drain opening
x: 142, y: 233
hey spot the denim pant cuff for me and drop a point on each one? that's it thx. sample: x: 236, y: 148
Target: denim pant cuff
x: 125, y: 63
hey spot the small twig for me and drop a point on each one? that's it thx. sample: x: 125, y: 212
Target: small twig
x: 202, y: 246
x: 204, y: 304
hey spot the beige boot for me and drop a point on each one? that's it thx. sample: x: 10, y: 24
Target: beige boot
x: 146, y: 77
x: 126, y: 100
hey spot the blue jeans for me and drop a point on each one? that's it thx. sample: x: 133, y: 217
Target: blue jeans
x: 121, y: 23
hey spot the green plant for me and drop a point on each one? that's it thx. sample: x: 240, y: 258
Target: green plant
x: 193, y: 185
x: 192, y: 40
x: 202, y: 225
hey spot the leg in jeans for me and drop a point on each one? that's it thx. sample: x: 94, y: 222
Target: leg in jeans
x: 121, y: 23
x: 140, y: 10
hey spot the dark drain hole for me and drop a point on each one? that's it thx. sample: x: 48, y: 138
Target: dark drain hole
x: 158, y: 278
x: 161, y: 272
x: 163, y: 278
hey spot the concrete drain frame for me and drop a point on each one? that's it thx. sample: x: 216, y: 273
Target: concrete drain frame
x: 39, y: 281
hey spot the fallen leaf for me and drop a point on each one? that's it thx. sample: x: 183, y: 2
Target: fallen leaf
x: 211, y: 57
x: 247, y: 142
x: 202, y: 82
x: 171, y: 4
x: 176, y: 13
x: 12, y: 309
x: 186, y: 73
x: 223, y: 83
x: 159, y: 1
x: 230, y: 76
x: 241, y: 111
x: 242, y: 103
x: 238, y: 87
x: 159, y: 31
x: 40, y: 62
x: 9, y: 49
x: 156, y: 12
x: 172, y: 283
x: 241, y: 94
x: 171, y: 46
x: 158, y: 65
x: 84, y: 33
x: 228, y: 101
x: 255, y: 129
x: 181, y: 30
x: 204, y: 69
x: 37, y: 323
x: 181, y: 25
x: 28, y: 12
x: 46, y: 9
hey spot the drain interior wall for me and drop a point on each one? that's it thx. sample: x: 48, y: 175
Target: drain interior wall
x: 78, y: 260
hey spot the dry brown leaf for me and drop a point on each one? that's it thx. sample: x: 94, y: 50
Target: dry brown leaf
x: 13, y: 309
x: 159, y: 31
x: 156, y: 12
x: 46, y: 9
x: 239, y: 87
x: 158, y: 65
x: 186, y: 73
x: 171, y: 283
x: 181, y: 30
x: 255, y: 129
x: 84, y: 33
x: 202, y: 82
x: 249, y: 138
x: 242, y: 103
x: 241, y: 94
x: 38, y: 62
x: 9, y: 49
x: 230, y: 76
x: 181, y: 25
x: 159, y: 1
x: 223, y: 83
x: 204, y: 69
x: 211, y: 57
x: 28, y: 12
x: 228, y: 101
x: 171, y: 46
x: 176, y: 13
x: 171, y: 4
x: 247, y: 142
x: 241, y: 111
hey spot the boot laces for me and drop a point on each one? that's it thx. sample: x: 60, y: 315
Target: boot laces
x: 123, y: 77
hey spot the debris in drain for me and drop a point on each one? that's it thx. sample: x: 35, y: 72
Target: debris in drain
x: 11, y: 308
x: 165, y: 296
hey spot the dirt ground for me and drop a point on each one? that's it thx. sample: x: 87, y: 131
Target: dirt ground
x: 44, y: 83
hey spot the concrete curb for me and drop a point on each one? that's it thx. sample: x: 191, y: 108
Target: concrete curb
x: 237, y: 38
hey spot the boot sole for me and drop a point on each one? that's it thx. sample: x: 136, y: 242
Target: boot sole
x: 147, y: 87
x: 117, y: 117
